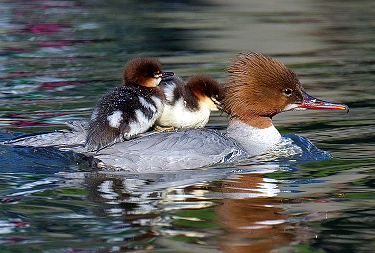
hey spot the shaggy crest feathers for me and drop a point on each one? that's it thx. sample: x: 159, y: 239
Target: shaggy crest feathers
x: 253, y: 78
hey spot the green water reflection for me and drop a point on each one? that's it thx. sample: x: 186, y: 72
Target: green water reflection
x: 58, y: 57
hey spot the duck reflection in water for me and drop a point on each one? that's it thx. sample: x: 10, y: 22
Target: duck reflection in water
x: 249, y: 214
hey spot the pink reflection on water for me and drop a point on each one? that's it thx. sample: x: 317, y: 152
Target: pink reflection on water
x: 61, y: 42
x: 46, y: 114
x: 51, y: 28
x: 52, y: 85
x: 15, y: 49
x: 26, y: 123
x: 9, y: 200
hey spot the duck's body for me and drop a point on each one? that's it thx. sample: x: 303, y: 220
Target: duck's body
x: 188, y: 104
x: 130, y: 109
x: 153, y: 151
x: 162, y: 151
x: 258, y: 89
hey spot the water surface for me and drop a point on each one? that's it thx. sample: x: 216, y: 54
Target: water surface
x: 58, y: 57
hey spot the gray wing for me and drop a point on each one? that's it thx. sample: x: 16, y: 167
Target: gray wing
x: 172, y: 150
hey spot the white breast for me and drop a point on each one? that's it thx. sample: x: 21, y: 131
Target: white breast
x: 179, y: 116
x: 254, y: 140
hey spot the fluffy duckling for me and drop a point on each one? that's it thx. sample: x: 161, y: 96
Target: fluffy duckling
x: 188, y: 104
x: 130, y: 109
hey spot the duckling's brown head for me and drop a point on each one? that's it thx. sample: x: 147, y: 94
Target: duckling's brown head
x: 143, y: 71
x: 206, y: 89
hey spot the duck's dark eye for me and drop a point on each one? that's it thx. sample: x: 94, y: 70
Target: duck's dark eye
x: 287, y: 92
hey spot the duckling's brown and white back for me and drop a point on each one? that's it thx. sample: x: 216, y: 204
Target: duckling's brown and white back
x: 130, y: 109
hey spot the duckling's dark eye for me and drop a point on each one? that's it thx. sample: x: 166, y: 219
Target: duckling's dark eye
x: 156, y: 74
x: 287, y: 92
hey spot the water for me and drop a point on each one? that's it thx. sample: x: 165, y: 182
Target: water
x: 57, y: 57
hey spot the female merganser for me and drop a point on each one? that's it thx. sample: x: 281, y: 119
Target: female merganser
x: 188, y: 104
x: 126, y: 111
x: 259, y: 88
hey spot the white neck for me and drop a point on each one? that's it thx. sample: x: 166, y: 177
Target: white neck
x: 254, y: 140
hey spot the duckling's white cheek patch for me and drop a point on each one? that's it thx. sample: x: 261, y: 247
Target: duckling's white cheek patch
x: 115, y: 119
x: 158, y: 80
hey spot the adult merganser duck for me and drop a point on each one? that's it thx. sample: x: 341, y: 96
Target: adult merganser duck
x: 126, y: 111
x: 259, y: 88
x: 188, y: 104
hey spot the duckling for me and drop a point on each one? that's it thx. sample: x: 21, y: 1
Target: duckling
x: 130, y: 109
x: 189, y: 104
